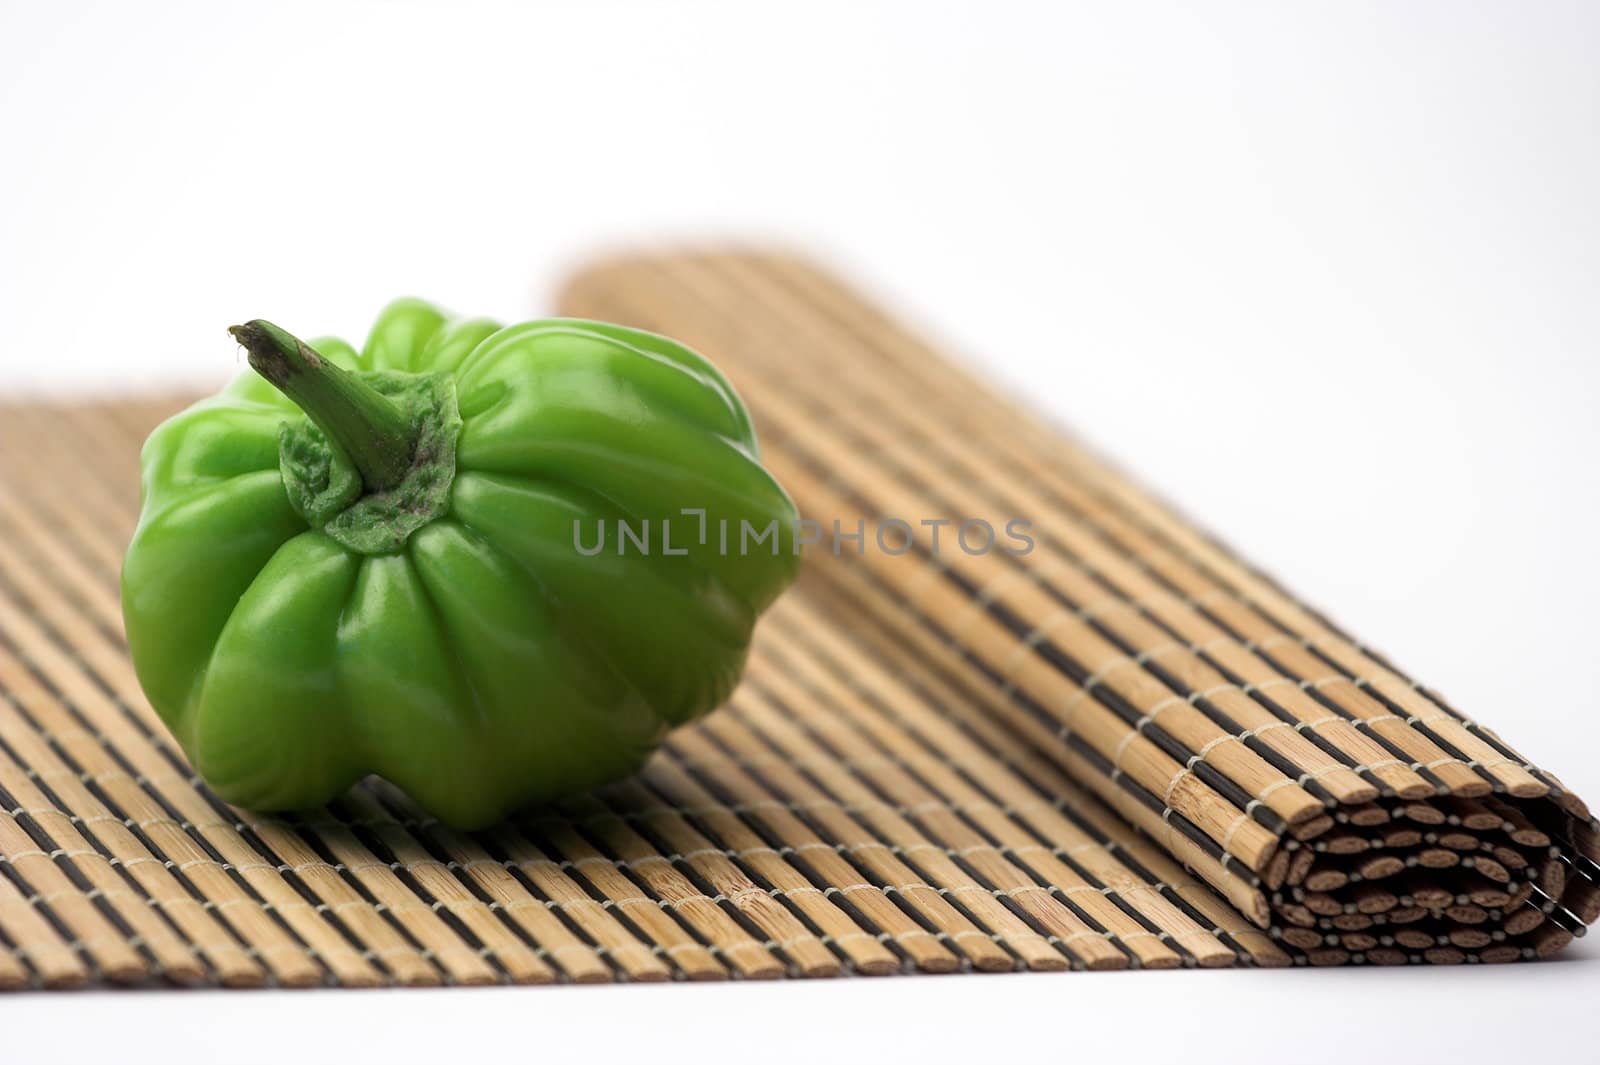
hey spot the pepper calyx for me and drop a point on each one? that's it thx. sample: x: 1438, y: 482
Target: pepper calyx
x: 374, y: 458
x: 325, y: 489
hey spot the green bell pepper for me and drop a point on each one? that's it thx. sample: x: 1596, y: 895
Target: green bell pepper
x: 386, y: 563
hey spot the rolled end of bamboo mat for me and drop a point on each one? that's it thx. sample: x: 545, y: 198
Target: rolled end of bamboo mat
x: 1333, y: 800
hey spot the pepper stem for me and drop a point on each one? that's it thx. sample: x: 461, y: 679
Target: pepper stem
x: 372, y: 432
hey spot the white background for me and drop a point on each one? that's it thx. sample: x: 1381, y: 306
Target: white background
x: 1324, y: 274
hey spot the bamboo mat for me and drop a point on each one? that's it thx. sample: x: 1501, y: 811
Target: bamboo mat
x: 1123, y: 749
x: 1332, y: 800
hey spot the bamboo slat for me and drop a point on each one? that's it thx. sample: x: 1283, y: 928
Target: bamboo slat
x: 1126, y: 749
